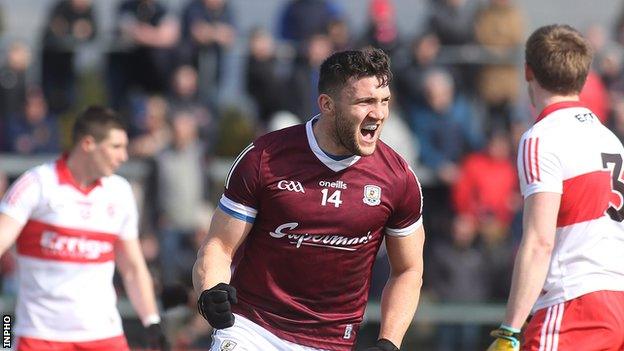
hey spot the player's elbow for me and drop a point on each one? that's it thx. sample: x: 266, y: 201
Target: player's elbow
x: 413, y: 276
x: 541, y: 244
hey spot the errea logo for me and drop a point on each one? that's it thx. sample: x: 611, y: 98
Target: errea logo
x: 291, y: 185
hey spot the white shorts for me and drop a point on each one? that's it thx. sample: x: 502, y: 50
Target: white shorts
x: 246, y: 335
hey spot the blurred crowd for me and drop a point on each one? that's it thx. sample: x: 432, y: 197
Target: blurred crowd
x: 459, y: 108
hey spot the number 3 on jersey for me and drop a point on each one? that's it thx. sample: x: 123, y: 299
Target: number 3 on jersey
x: 334, y: 198
x: 616, y: 214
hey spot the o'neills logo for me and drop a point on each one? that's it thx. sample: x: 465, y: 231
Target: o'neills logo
x: 337, y: 185
x: 74, y: 247
x: 331, y: 241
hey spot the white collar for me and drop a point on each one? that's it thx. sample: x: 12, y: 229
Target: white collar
x: 334, y: 165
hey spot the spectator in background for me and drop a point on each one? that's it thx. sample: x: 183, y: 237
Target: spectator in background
x: 446, y: 126
x: 609, y: 65
x: 184, y: 90
x: 184, y: 95
x: 598, y: 38
x: 487, y: 191
x: 458, y: 272
x: 452, y: 21
x: 596, y: 97
x: 487, y: 182
x: 340, y: 34
x: 618, y: 31
x: 35, y: 130
x: 150, y: 129
x: 181, y: 190
x: 70, y: 24
x: 595, y: 93
x: 382, y: 31
x: 616, y: 122
x: 305, y: 75
x: 423, y: 57
x: 13, y: 81
x: 208, y: 30
x: 147, y: 34
x: 301, y: 19
x: 263, y: 80
x: 499, y: 28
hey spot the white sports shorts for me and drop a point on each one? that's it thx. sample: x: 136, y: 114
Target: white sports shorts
x: 246, y: 335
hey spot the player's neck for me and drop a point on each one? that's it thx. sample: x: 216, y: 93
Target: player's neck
x: 543, y: 98
x: 80, y: 170
x: 327, y: 138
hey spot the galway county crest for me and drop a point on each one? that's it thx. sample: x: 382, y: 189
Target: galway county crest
x: 227, y: 345
x: 372, y: 195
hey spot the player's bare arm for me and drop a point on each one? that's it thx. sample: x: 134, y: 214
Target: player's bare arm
x: 215, y: 256
x: 136, y: 279
x: 533, y: 259
x: 9, y: 231
x: 402, y: 292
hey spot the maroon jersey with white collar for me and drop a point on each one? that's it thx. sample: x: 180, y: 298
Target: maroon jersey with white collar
x: 304, y: 269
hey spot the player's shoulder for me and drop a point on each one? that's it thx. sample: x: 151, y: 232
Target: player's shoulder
x: 43, y: 173
x: 552, y: 126
x: 610, y: 138
x: 386, y: 151
x: 282, y: 138
x: 396, y: 162
x: 116, y: 182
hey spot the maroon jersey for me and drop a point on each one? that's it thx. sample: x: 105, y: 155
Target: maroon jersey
x: 305, y: 267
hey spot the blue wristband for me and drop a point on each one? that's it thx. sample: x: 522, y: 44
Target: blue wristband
x: 513, y: 337
x: 509, y: 329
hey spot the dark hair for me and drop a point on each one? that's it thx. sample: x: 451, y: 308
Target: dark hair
x: 96, y: 121
x: 338, y: 68
x: 559, y: 57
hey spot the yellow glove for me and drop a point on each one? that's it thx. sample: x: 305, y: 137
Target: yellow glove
x: 507, y: 339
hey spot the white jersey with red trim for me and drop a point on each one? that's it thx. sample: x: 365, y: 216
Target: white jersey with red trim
x: 66, y: 252
x: 568, y: 151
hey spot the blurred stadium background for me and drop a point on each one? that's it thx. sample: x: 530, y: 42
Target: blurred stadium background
x: 191, y: 107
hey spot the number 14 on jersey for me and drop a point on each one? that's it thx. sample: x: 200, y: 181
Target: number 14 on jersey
x: 334, y: 198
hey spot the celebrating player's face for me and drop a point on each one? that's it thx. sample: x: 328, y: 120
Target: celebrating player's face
x: 111, y: 153
x: 360, y: 114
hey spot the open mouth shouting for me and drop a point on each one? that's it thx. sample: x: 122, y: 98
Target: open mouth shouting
x: 370, y: 132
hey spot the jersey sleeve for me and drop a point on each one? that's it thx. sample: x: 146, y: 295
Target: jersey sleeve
x: 130, y: 226
x: 22, y: 197
x: 240, y: 197
x: 407, y: 215
x: 539, y: 167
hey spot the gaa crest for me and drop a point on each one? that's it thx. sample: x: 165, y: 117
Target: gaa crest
x: 372, y: 195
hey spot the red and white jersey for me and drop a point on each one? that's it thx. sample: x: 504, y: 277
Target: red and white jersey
x: 304, y: 270
x: 568, y: 151
x: 66, y: 252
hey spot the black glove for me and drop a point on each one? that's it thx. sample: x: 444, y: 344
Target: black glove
x: 156, y: 339
x: 383, y: 345
x: 215, y: 305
